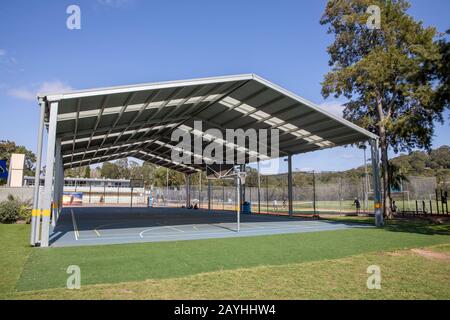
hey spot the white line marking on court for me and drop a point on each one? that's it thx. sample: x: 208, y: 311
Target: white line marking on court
x: 174, y: 228
x: 141, y: 234
x: 75, y: 227
x: 186, y: 236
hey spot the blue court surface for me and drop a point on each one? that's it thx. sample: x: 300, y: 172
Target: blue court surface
x: 115, y: 225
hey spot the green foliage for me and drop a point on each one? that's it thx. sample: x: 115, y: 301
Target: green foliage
x: 383, y: 72
x: 9, y: 211
x: 390, y: 76
x: 110, y: 170
x: 78, y: 172
x: 7, y: 147
x: 442, y: 71
x: 87, y: 172
x: 14, y: 209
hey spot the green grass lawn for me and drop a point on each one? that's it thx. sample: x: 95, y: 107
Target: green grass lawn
x: 194, y: 268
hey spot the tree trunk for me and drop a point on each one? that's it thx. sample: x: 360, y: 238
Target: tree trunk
x: 387, y: 210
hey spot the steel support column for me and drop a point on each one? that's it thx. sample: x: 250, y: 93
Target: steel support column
x: 259, y: 189
x: 49, y: 174
x: 238, y: 201
x: 376, y: 183
x: 188, y: 190
x: 209, y: 195
x: 290, y: 194
x: 61, y: 190
x: 36, y: 212
x: 57, y: 182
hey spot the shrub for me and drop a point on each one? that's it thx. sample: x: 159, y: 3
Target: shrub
x: 25, y: 213
x: 14, y: 209
x: 9, y: 211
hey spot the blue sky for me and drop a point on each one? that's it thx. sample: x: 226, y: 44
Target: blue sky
x: 132, y: 41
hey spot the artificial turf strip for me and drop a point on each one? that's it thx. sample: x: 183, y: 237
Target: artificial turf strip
x: 404, y: 275
x: 46, y: 267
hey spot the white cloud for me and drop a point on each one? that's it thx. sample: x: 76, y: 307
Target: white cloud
x: 113, y: 3
x: 2, y: 52
x: 21, y: 93
x: 45, y: 87
x: 54, y: 87
x: 347, y: 156
x: 335, y: 107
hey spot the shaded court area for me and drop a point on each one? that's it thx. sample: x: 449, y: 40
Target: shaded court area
x: 224, y: 124
x: 114, y: 225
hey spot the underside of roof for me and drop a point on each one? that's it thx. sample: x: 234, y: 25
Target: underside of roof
x: 137, y: 121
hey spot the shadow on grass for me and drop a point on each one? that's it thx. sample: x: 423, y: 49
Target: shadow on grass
x: 424, y: 225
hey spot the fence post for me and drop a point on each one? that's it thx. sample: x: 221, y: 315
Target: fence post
x: 290, y: 194
x: 314, y: 188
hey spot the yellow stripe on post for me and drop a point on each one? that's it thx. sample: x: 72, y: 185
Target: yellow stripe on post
x: 35, y: 212
x: 377, y: 205
x: 46, y: 213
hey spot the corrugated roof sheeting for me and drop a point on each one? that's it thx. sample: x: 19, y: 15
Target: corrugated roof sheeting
x: 110, y: 123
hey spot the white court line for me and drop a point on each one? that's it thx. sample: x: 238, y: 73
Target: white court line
x: 174, y: 228
x: 243, y: 231
x: 154, y: 228
x: 75, y: 227
x: 187, y: 234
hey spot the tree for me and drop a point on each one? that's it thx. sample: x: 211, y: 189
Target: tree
x: 160, y: 177
x: 384, y: 74
x: 7, y: 147
x: 110, y: 170
x: 87, y: 172
x: 442, y: 70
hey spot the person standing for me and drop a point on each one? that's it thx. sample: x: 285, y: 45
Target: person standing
x: 357, y: 205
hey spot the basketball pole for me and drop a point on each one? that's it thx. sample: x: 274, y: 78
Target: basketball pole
x: 238, y: 201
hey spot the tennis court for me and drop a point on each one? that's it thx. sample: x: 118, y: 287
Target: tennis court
x: 113, y: 225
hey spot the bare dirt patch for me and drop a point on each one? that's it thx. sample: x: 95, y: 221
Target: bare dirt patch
x: 432, y: 254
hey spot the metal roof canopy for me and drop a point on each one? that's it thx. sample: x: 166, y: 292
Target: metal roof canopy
x: 103, y: 124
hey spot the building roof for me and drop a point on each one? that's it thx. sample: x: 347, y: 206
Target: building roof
x: 98, y: 125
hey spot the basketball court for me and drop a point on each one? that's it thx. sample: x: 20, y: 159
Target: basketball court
x: 145, y: 121
x: 115, y: 225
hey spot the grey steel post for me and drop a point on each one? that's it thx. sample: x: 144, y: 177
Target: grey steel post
x: 376, y: 183
x: 49, y: 173
x: 57, y: 182
x: 290, y: 194
x: 35, y: 213
x: 61, y: 189
x: 314, y: 192
x: 188, y: 195
x: 200, y: 190
x: 238, y: 201
x: 209, y: 195
x: 244, y: 195
x: 259, y: 189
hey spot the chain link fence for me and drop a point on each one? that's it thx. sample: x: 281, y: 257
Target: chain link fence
x: 313, y: 193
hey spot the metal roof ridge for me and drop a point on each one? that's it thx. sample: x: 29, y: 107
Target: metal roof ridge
x: 314, y: 106
x: 142, y: 86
